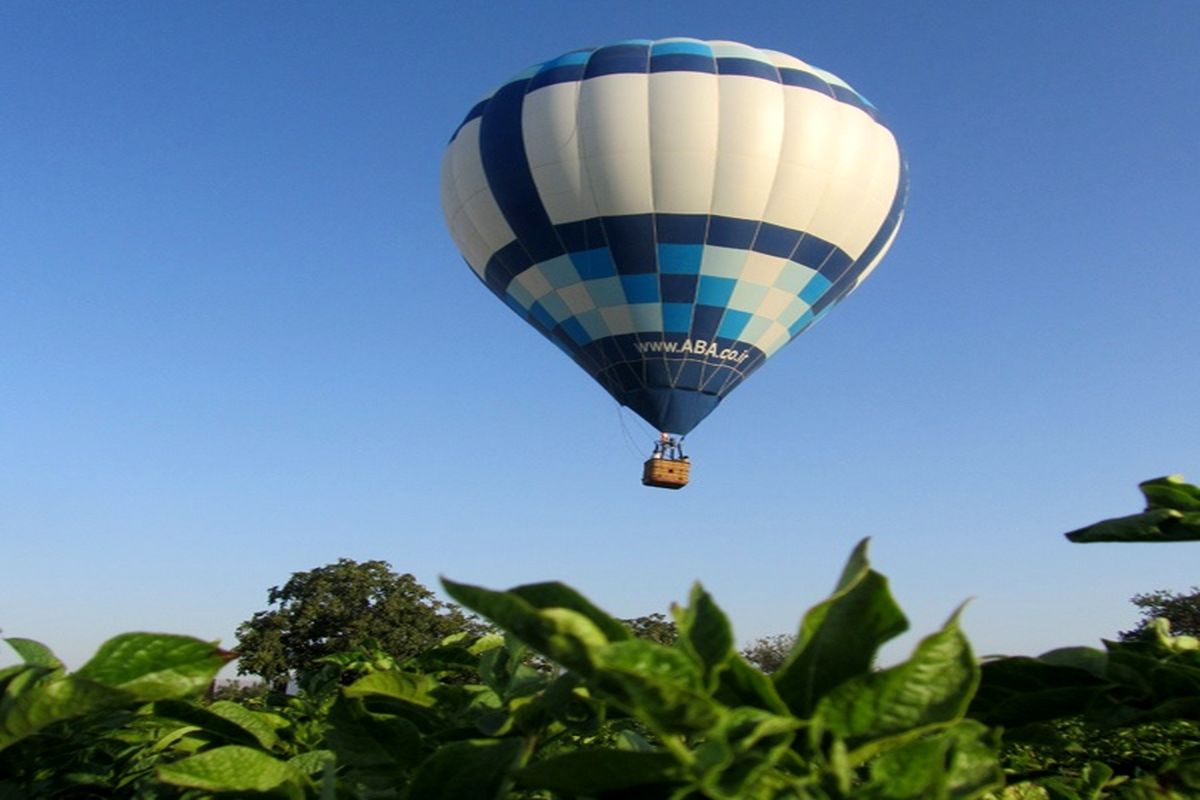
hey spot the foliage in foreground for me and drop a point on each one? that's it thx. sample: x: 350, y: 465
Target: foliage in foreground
x: 615, y: 716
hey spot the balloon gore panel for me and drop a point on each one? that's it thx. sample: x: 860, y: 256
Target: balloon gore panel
x: 631, y: 241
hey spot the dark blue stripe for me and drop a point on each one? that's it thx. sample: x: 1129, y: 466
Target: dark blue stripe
x: 505, y: 264
x: 558, y: 74
x: 844, y: 282
x: 506, y: 166
x: 587, y: 234
x: 618, y: 59
x: 775, y: 240
x: 806, y: 80
x: 682, y: 62
x: 681, y: 228
x: 812, y: 251
x: 631, y: 240
x: 637, y: 59
x: 750, y: 67
x: 731, y: 232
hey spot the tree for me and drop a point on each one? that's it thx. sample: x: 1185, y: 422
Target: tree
x: 653, y: 627
x: 337, y: 607
x: 769, y: 652
x: 1181, y: 610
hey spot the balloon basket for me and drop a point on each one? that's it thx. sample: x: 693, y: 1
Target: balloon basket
x: 666, y: 473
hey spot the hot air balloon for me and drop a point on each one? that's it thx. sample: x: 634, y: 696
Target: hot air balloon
x: 670, y: 213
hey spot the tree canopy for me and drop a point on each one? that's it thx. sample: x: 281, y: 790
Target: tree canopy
x: 337, y: 607
x: 1181, y: 610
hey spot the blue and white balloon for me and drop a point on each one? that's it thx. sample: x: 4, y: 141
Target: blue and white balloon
x: 671, y: 213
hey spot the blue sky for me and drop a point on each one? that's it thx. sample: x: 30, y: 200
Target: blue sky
x: 236, y: 340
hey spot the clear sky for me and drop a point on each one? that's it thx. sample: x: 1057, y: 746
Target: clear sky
x: 236, y: 340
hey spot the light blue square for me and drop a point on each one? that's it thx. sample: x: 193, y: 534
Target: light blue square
x: 606, y: 292
x: 679, y: 259
x: 794, y: 277
x: 555, y: 306
x: 559, y: 272
x: 518, y: 294
x: 647, y: 317
x: 724, y: 262
x: 677, y: 317
x: 715, y: 291
x: 815, y: 289
x: 733, y: 323
x: 593, y: 323
x: 797, y: 327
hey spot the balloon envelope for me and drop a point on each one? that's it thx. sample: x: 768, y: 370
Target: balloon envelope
x: 671, y: 213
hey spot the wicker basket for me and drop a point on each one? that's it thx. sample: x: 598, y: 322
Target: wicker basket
x: 666, y: 473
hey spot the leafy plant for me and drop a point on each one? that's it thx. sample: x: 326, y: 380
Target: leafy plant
x: 561, y: 701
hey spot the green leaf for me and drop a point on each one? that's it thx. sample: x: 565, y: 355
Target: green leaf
x: 235, y: 769
x: 153, y: 666
x: 743, y: 685
x: 659, y: 685
x: 706, y: 635
x: 375, y: 745
x: 1156, y: 525
x: 740, y: 748
x: 1170, y: 492
x: 594, y: 772
x: 931, y: 688
x: 559, y: 595
x: 1021, y: 691
x: 960, y: 763
x: 312, y: 761
x: 468, y: 770
x: 231, y: 723
x: 839, y: 637
x: 34, y: 653
x: 33, y: 705
x: 228, y: 722
x: 394, y: 684
x: 566, y: 636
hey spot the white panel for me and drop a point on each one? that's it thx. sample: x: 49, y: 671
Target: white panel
x: 647, y: 317
x: 617, y: 319
x: 450, y: 201
x: 577, y: 298
x: 473, y: 192
x: 775, y: 337
x: 878, y: 193
x: 534, y: 282
x: 473, y: 248
x: 811, y: 128
x: 850, y: 212
x: 614, y: 131
x: 751, y: 132
x: 761, y: 269
x: 784, y: 60
x: 794, y: 310
x: 549, y: 125
x: 725, y: 49
x: 684, y: 120
x: 773, y: 304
